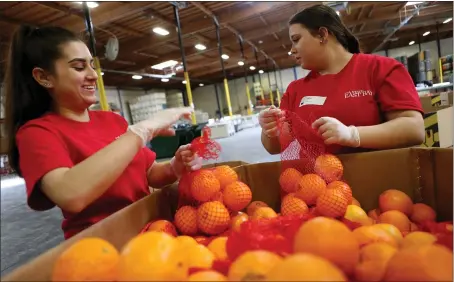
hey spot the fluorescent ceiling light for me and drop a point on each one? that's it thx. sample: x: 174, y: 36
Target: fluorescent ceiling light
x: 164, y: 79
x: 260, y: 41
x: 411, y: 43
x: 184, y: 81
x: 136, y: 77
x: 160, y: 31
x: 412, y: 3
x: 261, y: 71
x: 289, y: 53
x: 241, y: 63
x: 225, y: 56
x: 426, y: 33
x: 163, y: 65
x: 447, y: 20
x: 201, y: 84
x: 90, y: 4
x: 102, y: 73
x: 200, y: 47
x: 252, y: 68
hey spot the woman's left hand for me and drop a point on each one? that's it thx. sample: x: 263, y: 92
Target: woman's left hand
x: 335, y: 132
x: 184, y: 160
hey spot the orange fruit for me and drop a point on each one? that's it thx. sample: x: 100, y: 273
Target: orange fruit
x: 374, y: 214
x: 396, y: 218
x: 253, y: 265
x: 225, y: 175
x: 355, y: 202
x: 422, y: 212
x: 219, y: 196
x: 344, y: 187
x: 421, y: 263
x: 204, y: 185
x: 357, y: 214
x: 213, y: 218
x: 185, y: 240
x: 413, y: 227
x: 237, y: 220
x: 330, y: 239
x: 207, y: 275
x: 366, y: 235
x: 253, y: 206
x: 332, y: 203
x: 395, y: 200
x: 392, y: 230
x: 289, y: 179
x: 292, y: 205
x: 264, y: 212
x: 310, y: 187
x: 151, y: 256
x: 237, y: 196
x: 163, y: 226
x: 218, y: 248
x: 329, y: 167
x: 374, y: 260
x: 418, y: 238
x: 89, y: 259
x: 305, y: 267
x: 186, y: 220
x: 201, y: 239
x: 197, y: 256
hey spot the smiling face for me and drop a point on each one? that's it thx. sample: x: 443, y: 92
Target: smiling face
x: 74, y: 79
x: 306, y: 48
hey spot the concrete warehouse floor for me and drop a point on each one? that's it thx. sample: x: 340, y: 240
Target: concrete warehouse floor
x: 26, y: 234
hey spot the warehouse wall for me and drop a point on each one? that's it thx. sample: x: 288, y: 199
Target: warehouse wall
x: 205, y: 98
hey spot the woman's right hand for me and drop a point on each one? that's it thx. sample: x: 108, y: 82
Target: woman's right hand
x: 269, y: 120
x: 160, y: 123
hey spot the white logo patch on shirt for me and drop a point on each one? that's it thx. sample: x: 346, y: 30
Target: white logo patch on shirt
x: 312, y: 100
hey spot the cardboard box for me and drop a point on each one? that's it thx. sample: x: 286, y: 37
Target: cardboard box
x: 438, y: 126
x: 424, y: 174
x: 433, y: 102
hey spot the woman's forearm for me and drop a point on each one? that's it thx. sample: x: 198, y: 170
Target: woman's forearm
x: 396, y: 133
x: 160, y: 175
x: 89, y: 179
x: 272, y: 145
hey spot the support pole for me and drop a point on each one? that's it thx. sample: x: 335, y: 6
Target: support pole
x: 226, y: 84
x: 92, y: 45
x: 260, y: 78
x: 277, y: 87
x: 440, y: 65
x: 121, y: 102
x: 183, y: 58
x: 269, y: 82
x: 248, y: 94
x: 217, y: 100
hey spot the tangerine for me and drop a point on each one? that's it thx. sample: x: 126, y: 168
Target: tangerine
x: 197, y: 256
x: 310, y: 187
x: 292, y: 205
x: 225, y: 174
x: 395, y: 200
x: 186, y: 220
x: 355, y: 202
x: 213, y: 218
x: 264, y: 212
x: 357, y: 214
x: 207, y: 275
x: 89, y: 259
x: 163, y: 225
x: 332, y: 203
x: 374, y: 214
x: 237, y: 195
x: 252, y: 265
x: 422, y: 212
x: 329, y: 167
x: 253, y: 206
x: 329, y: 239
x: 218, y: 248
x: 237, y: 220
x: 374, y: 260
x: 418, y: 238
x: 396, y: 218
x: 366, y: 235
x: 219, y: 196
x: 204, y: 185
x: 289, y: 179
x: 344, y: 187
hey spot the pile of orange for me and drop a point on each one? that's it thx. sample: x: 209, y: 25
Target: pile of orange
x: 387, y: 244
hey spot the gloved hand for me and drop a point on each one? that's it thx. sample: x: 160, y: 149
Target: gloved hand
x: 335, y: 132
x: 160, y: 123
x: 269, y: 120
x: 185, y: 159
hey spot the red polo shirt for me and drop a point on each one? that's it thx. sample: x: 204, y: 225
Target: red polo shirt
x: 53, y: 141
x: 359, y: 95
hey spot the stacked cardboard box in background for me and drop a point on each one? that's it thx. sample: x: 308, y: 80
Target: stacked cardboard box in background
x: 143, y: 107
x: 438, y: 119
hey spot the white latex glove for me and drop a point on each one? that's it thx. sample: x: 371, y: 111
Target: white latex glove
x: 269, y: 120
x: 335, y: 132
x: 160, y: 123
x: 185, y: 159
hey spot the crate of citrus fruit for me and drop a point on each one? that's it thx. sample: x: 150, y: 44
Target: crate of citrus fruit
x: 376, y: 218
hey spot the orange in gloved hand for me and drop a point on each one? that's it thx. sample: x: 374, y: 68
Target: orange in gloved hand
x: 204, y: 185
x: 237, y: 196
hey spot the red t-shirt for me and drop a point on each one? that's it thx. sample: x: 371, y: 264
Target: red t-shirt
x: 53, y: 141
x: 359, y: 95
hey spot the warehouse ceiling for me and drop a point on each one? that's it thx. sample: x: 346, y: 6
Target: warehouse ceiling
x: 262, y: 26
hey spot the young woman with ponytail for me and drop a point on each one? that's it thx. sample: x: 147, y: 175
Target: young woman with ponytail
x: 356, y: 102
x: 88, y: 163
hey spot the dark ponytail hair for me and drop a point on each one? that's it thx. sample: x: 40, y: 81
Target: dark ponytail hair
x: 25, y: 98
x: 315, y: 17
